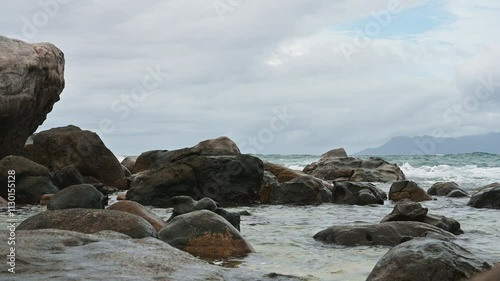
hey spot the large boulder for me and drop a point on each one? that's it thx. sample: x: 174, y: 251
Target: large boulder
x: 31, y: 180
x: 355, y: 169
x: 61, y: 255
x: 388, y: 234
x: 206, y: 234
x: 407, y: 190
x: 59, y: 147
x: 90, y: 221
x: 305, y: 190
x: 31, y: 80
x: 449, y: 188
x: 335, y: 153
x: 137, y: 209
x: 84, y: 196
x: 407, y: 210
x: 357, y: 193
x: 487, y: 197
x: 428, y: 260
x: 129, y: 163
x: 230, y: 180
x: 282, y: 173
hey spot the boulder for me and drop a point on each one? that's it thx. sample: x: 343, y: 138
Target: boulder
x: 305, y: 190
x: 59, y: 147
x: 427, y: 260
x: 233, y: 218
x: 282, y: 173
x: 68, y: 176
x: 407, y: 210
x: 446, y: 189
x: 31, y: 80
x: 137, y: 209
x: 357, y: 193
x: 90, y: 221
x: 487, y: 197
x: 129, y: 163
x: 407, y: 190
x: 205, y: 234
x: 84, y: 196
x: 269, y: 183
x: 31, y: 180
x: 44, y: 201
x: 355, y: 169
x: 61, y: 255
x: 229, y: 180
x: 491, y: 275
x: 219, y: 146
x: 335, y: 153
x: 388, y: 233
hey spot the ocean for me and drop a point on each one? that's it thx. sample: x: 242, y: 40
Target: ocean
x: 282, y: 235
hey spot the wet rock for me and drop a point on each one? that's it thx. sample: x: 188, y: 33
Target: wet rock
x: 427, y: 260
x: 137, y: 209
x: 355, y: 169
x: 44, y: 201
x: 388, y: 233
x: 205, y: 234
x: 407, y: 190
x: 31, y: 80
x: 219, y: 146
x: 229, y: 180
x: 487, y: 197
x: 68, y: 176
x: 59, y: 147
x: 282, y: 173
x: 491, y: 275
x: 357, y: 193
x: 335, y: 153
x: 269, y: 183
x: 407, y: 210
x: 84, y: 196
x: 90, y: 221
x: 305, y: 190
x: 60, y: 255
x: 32, y: 180
x: 129, y: 163
x: 446, y: 188
x: 233, y: 218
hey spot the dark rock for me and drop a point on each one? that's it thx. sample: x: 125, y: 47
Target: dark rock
x: 305, y: 190
x: 388, y: 233
x: 407, y: 210
x: 487, y: 197
x: 126, y: 172
x: 282, y: 173
x: 68, y: 176
x: 357, y: 193
x: 407, y: 190
x: 427, y: 260
x: 90, y: 221
x: 44, y: 201
x: 335, y: 153
x: 229, y: 180
x: 32, y: 180
x: 129, y: 163
x: 137, y: 209
x: 205, y: 234
x: 186, y: 204
x: 59, y: 147
x: 355, y: 169
x: 219, y: 146
x: 233, y: 218
x: 83, y: 196
x: 60, y: 255
x: 269, y: 183
x: 445, y: 188
x: 31, y: 80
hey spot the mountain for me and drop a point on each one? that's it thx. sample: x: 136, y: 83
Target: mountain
x: 489, y: 143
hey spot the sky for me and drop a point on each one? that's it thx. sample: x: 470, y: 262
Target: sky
x: 277, y: 77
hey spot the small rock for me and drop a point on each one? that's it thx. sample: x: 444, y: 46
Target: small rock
x: 121, y: 195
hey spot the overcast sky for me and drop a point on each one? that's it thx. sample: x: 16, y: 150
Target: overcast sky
x: 280, y: 76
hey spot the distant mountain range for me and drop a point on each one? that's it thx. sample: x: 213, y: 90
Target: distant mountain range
x: 489, y: 143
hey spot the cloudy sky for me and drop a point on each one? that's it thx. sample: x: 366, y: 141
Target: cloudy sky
x: 281, y: 76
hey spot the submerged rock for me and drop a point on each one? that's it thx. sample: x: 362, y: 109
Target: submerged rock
x: 31, y: 180
x: 388, y: 233
x: 487, y: 197
x: 450, y: 189
x: 84, y: 196
x: 60, y: 255
x: 407, y: 190
x: 355, y: 169
x: 427, y: 260
x: 31, y: 80
x: 137, y: 209
x: 205, y: 234
x: 357, y: 193
x: 90, y: 221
